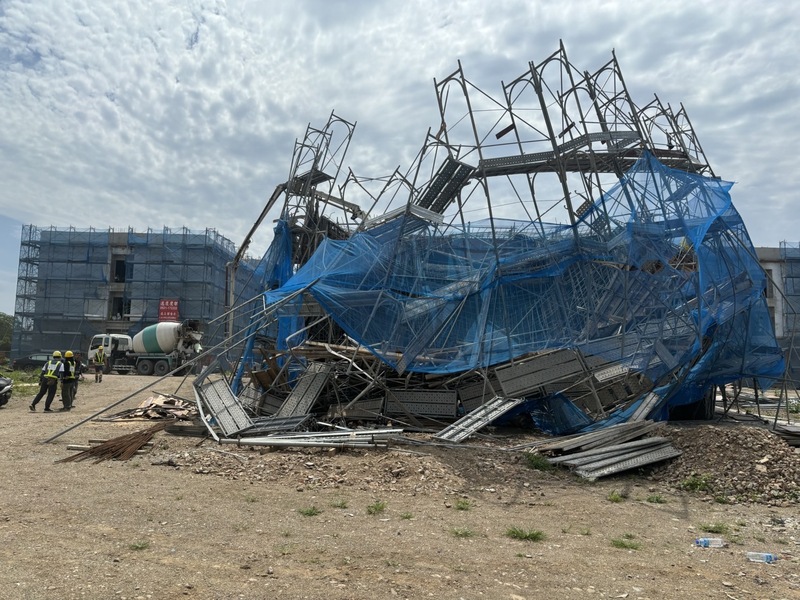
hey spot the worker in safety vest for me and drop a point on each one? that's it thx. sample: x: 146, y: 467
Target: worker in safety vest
x: 99, y: 364
x: 69, y: 380
x: 48, y: 382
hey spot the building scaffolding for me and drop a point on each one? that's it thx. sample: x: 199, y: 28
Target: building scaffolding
x: 557, y: 244
x: 75, y: 283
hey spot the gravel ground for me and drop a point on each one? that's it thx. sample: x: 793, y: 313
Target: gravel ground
x: 191, y: 519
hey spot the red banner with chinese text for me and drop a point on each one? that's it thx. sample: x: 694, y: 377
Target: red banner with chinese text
x: 168, y: 310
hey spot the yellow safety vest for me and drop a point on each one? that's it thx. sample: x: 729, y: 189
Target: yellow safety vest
x: 50, y: 368
x: 69, y: 369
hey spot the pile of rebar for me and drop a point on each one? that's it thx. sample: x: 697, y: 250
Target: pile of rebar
x: 120, y: 448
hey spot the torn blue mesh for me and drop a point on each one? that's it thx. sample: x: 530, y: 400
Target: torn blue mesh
x: 659, y: 276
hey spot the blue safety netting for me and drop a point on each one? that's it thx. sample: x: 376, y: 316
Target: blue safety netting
x: 659, y: 275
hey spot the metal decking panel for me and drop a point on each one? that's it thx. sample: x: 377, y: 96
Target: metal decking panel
x: 428, y: 403
x: 476, y: 394
x: 472, y: 422
x: 224, y: 407
x: 639, y: 461
x: 520, y: 378
x: 645, y: 408
x: 307, y: 390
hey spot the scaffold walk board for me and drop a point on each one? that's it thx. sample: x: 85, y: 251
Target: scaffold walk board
x: 478, y: 418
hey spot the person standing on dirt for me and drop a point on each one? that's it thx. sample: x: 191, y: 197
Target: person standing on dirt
x: 69, y: 380
x: 99, y: 364
x: 48, y: 382
x: 80, y: 367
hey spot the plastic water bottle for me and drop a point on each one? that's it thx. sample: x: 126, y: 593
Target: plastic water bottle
x: 710, y: 542
x: 765, y: 557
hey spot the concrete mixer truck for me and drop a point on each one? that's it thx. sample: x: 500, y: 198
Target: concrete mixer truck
x: 156, y: 350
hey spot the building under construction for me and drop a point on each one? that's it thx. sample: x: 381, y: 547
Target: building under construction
x: 558, y: 252
x: 73, y: 284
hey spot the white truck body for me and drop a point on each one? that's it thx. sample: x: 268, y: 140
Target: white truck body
x: 155, y: 350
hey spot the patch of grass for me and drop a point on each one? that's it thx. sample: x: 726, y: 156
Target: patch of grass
x: 376, y: 508
x: 626, y: 542
x: 528, y: 535
x: 616, y: 496
x: 735, y: 539
x: 463, y: 504
x: 250, y: 498
x: 697, y: 483
x: 537, y: 462
x: 714, y: 528
x: 586, y: 531
x: 310, y: 511
x: 656, y: 499
x: 719, y: 499
x: 406, y: 516
x: 339, y: 504
x: 462, y: 532
x: 142, y: 545
x: 760, y: 538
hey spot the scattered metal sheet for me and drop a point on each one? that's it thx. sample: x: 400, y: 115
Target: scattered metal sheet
x: 361, y: 438
x: 609, y: 451
x: 425, y: 403
x: 475, y: 420
x: 659, y: 455
x: 306, y: 391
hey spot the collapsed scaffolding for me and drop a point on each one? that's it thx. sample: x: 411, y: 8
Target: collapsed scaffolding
x: 559, y: 255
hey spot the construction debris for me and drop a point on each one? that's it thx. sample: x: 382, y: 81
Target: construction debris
x: 159, y: 406
x: 732, y: 463
x: 623, y: 293
x: 609, y: 450
x: 416, y: 301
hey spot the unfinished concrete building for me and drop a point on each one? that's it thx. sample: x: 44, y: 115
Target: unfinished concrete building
x: 73, y: 284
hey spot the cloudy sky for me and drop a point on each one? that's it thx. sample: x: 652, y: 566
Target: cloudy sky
x: 185, y: 113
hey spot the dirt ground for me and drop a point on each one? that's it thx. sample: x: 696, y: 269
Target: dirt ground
x: 193, y: 519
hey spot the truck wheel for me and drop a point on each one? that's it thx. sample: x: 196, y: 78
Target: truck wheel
x: 144, y: 367
x: 161, y: 368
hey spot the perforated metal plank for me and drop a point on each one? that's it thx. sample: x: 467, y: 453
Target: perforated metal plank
x: 224, y: 407
x: 273, y: 424
x: 363, y: 409
x: 519, y: 378
x: 306, y: 391
x: 644, y: 409
x: 249, y: 397
x: 610, y: 372
x: 472, y: 422
x: 633, y: 463
x: 600, y: 437
x: 474, y: 395
x: 665, y: 355
x: 589, y: 456
x: 623, y: 435
x: 270, y: 404
x: 427, y: 403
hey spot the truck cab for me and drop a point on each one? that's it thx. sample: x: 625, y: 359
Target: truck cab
x: 115, y: 346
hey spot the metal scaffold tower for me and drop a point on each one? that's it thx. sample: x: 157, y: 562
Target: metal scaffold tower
x: 556, y: 249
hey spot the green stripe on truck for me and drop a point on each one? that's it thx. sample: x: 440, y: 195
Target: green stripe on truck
x: 150, y: 339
